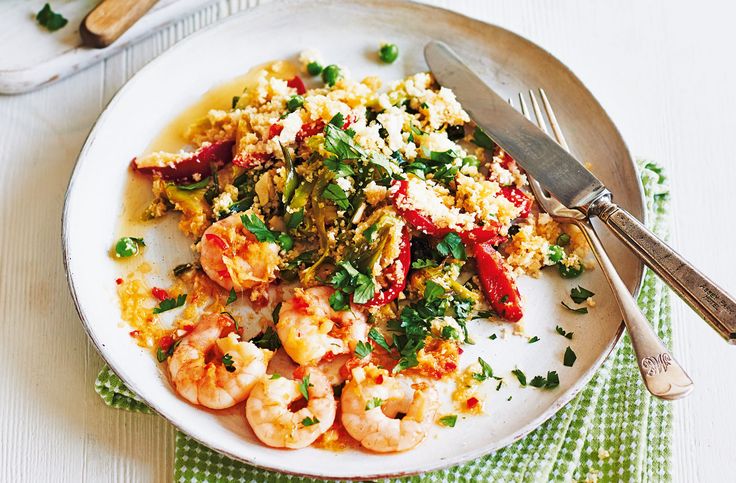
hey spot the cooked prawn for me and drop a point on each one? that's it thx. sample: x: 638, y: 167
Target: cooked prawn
x: 275, y: 424
x: 309, y: 328
x: 372, y: 399
x: 233, y: 257
x: 213, y: 371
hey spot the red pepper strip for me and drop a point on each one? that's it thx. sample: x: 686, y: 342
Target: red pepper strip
x: 198, y: 162
x: 274, y: 130
x: 223, y: 273
x: 159, y: 293
x: 518, y: 198
x: 390, y: 293
x: 217, y: 241
x: 297, y: 83
x: 349, y: 119
x: 165, y: 342
x: 425, y: 224
x: 309, y: 130
x: 250, y: 160
x: 498, y: 286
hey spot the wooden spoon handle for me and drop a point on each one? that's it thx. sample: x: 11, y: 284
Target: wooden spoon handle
x: 110, y: 19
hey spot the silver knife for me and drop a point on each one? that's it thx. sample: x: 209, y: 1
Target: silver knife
x: 576, y: 187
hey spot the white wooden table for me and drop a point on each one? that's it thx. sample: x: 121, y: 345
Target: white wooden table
x: 664, y: 70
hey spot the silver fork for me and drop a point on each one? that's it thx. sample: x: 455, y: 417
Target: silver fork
x: 661, y: 373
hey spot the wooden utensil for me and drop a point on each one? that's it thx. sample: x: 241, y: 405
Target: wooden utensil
x: 110, y: 19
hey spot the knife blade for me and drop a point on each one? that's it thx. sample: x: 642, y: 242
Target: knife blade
x: 576, y: 187
x: 555, y: 169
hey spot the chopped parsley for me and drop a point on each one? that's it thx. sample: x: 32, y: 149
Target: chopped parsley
x: 581, y: 310
x: 378, y: 338
x: 570, y: 357
x: 49, y: 19
x: 267, y: 339
x: 493, y: 336
x: 550, y: 382
x: 232, y: 297
x: 304, y: 386
x: 338, y: 167
x: 449, y: 420
x: 363, y: 350
x: 485, y: 373
x: 580, y: 294
x: 348, y: 280
x: 373, y: 403
x: 563, y: 333
x: 423, y: 263
x: 520, y: 376
x: 169, y: 304
x: 534, y: 339
x: 275, y: 313
x: 309, y: 421
x: 433, y: 291
x: 452, y: 244
x: 254, y: 225
x: 227, y: 361
x: 341, y: 143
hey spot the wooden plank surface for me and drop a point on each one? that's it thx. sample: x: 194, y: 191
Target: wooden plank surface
x: 662, y: 69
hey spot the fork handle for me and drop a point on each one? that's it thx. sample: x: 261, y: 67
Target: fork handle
x: 662, y: 374
x: 710, y: 301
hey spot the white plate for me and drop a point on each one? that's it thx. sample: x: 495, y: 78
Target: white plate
x: 355, y: 28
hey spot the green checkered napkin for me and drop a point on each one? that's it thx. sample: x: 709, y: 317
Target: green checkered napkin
x: 612, y: 431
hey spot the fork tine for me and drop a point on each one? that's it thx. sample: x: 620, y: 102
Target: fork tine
x: 553, y: 120
x: 538, y: 113
x: 524, y: 109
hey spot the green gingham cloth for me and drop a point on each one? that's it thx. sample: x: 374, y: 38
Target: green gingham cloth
x: 613, y: 430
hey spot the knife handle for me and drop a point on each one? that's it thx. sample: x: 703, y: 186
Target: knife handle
x: 711, y: 302
x: 111, y: 19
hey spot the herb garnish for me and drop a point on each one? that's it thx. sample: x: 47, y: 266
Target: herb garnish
x: 373, y: 403
x: 309, y: 421
x: 534, y: 339
x: 254, y: 225
x: 485, y: 373
x: 267, y: 339
x: 569, y: 358
x: 449, y: 420
x: 580, y: 294
x: 362, y: 350
x: 378, y: 338
x: 581, y: 310
x: 423, y: 263
x: 563, y: 333
x: 341, y: 143
x: 232, y: 297
x: 481, y: 139
x: 337, y: 195
x: 227, y: 361
x: 550, y: 382
x: 348, y: 280
x: 169, y: 304
x: 520, y: 376
x: 452, y: 244
x: 304, y: 386
x: 51, y: 20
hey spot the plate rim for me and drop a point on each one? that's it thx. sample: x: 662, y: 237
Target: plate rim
x: 470, y: 455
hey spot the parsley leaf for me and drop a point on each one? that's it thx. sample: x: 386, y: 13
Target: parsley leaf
x: 449, y: 420
x: 485, y: 373
x: 348, y: 280
x: 341, y: 144
x: 339, y: 168
x: 362, y: 350
x: 275, y: 313
x: 580, y: 294
x: 339, y: 301
x: 563, y: 333
x: 337, y: 195
x: 267, y: 339
x: 168, y: 304
x: 309, y: 421
x: 550, y: 382
x: 581, y: 310
x: 433, y: 291
x: 520, y: 376
x: 452, y: 244
x: 232, y: 297
x: 374, y: 403
x: 534, y: 339
x: 51, y: 20
x: 227, y: 361
x: 570, y: 357
x: 304, y: 386
x: 378, y: 338
x: 254, y: 225
x: 423, y: 263
x: 493, y: 336
x: 364, y: 290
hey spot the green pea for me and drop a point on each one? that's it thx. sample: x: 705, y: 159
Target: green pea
x: 294, y: 103
x: 128, y: 247
x: 285, y: 241
x: 314, y: 68
x: 556, y: 253
x: 331, y: 74
x: 563, y: 240
x: 570, y: 272
x: 388, y: 53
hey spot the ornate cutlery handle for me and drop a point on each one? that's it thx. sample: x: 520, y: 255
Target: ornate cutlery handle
x: 661, y: 373
x: 710, y: 301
